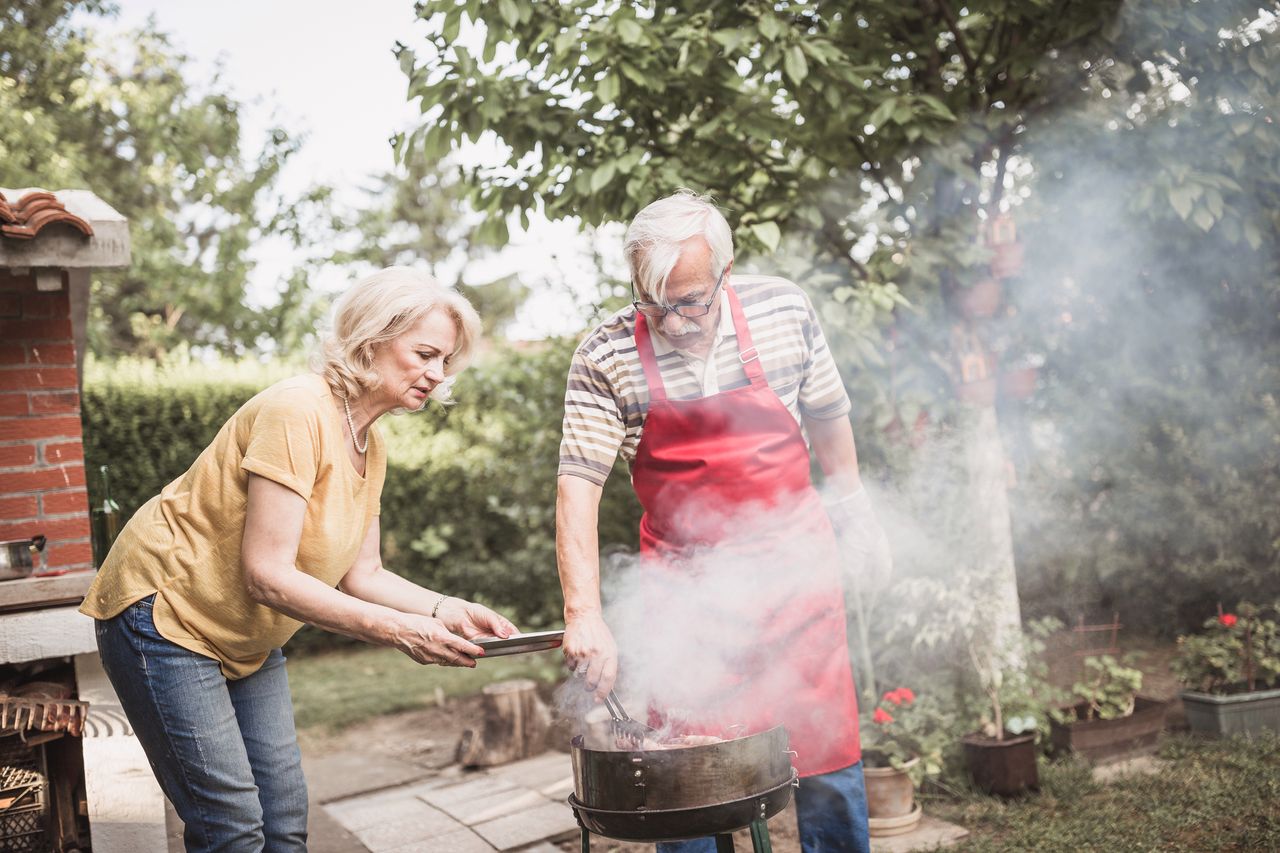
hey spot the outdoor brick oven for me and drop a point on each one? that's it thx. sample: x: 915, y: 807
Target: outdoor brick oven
x: 71, y: 772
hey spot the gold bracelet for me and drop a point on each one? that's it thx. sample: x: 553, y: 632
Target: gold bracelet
x: 436, y: 609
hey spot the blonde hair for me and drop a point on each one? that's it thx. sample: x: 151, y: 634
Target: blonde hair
x: 654, y: 239
x: 381, y: 307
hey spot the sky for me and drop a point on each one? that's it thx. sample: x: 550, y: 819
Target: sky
x: 325, y: 69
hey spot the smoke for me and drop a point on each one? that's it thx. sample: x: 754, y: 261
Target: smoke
x: 1140, y: 474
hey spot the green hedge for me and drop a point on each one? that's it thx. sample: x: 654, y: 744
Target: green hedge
x: 469, y: 503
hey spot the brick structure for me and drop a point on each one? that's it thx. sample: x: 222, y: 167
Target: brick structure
x: 48, y: 244
x: 42, y: 479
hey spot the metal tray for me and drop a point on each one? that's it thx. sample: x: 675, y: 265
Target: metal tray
x: 516, y: 644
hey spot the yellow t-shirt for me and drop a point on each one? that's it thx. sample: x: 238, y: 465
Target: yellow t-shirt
x: 184, y: 544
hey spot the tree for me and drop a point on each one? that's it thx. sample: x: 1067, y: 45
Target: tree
x: 132, y: 126
x: 418, y: 214
x: 879, y: 138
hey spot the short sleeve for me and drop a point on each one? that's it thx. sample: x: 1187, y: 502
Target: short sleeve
x: 593, y: 428
x: 822, y: 392
x: 284, y: 443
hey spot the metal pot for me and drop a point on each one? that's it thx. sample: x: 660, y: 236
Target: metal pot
x: 686, y: 792
x: 17, y: 557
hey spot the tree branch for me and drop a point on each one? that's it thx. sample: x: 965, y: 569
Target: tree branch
x: 948, y: 15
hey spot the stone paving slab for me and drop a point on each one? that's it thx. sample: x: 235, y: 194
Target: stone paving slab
x: 931, y: 834
x: 493, y: 806
x: 540, y: 772
x: 367, y: 812
x: 473, y: 789
x: 464, y: 841
x: 1144, y: 765
x: 346, y: 774
x: 540, y: 823
x: 423, y: 830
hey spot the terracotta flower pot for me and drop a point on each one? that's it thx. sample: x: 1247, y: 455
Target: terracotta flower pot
x: 979, y: 393
x: 1020, y: 383
x: 981, y: 299
x: 1004, y: 767
x: 1006, y: 260
x: 891, y: 797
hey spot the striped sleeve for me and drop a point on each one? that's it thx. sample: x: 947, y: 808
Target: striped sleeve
x: 822, y: 392
x: 593, y: 429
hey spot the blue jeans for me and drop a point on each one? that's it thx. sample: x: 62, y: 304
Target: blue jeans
x: 225, y: 752
x: 831, y: 811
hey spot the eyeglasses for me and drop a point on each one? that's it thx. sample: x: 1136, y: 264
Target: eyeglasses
x: 697, y: 309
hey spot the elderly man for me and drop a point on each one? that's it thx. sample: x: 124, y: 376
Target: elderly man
x: 703, y: 385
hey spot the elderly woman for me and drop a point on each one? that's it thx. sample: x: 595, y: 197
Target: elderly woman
x: 274, y: 525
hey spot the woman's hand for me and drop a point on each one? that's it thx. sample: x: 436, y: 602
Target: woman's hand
x: 471, y: 620
x: 429, y: 640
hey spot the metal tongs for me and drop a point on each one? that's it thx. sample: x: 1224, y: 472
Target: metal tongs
x: 633, y: 731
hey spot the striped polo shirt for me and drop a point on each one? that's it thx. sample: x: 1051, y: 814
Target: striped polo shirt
x: 607, y: 398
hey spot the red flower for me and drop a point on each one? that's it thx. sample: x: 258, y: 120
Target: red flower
x: 903, y: 695
x: 907, y: 696
x: 1228, y: 619
x: 881, y: 716
x: 893, y: 697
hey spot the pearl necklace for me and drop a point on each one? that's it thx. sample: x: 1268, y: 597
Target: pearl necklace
x: 346, y: 405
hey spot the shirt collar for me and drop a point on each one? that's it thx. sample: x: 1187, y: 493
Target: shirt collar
x: 725, y: 329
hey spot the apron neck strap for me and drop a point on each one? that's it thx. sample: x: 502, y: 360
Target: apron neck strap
x: 652, y: 376
x: 747, y: 353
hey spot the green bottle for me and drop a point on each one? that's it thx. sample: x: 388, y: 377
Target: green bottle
x: 106, y: 520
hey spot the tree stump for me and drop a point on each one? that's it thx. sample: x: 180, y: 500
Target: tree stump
x: 515, y: 725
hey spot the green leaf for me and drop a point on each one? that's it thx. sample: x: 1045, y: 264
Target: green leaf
x: 882, y: 113
x: 771, y: 27
x: 1183, y: 200
x: 729, y: 39
x: 510, y: 12
x: 629, y: 31
x: 635, y: 75
x: 601, y: 177
x: 1252, y: 235
x: 797, y: 66
x: 607, y: 89
x: 767, y: 233
x: 938, y: 107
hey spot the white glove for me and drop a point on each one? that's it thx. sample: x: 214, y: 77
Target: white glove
x: 862, y: 541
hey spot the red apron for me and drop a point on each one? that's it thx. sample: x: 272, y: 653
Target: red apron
x: 728, y: 475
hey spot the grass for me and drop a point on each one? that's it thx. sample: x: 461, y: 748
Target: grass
x: 336, y: 689
x: 1219, y: 795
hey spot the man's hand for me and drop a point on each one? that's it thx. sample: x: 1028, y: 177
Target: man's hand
x: 471, y: 620
x: 590, y: 651
x: 861, y: 539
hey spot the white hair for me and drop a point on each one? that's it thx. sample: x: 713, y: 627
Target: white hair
x: 655, y: 237
x: 381, y: 307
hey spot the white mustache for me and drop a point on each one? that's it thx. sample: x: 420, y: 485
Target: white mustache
x: 687, y: 329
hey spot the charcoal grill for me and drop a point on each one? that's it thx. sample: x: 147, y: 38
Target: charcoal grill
x: 687, y: 792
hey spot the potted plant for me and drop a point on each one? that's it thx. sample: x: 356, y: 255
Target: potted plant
x: 980, y: 299
x: 901, y: 744
x: 1232, y: 671
x: 1001, y: 754
x: 1110, y: 721
x: 1006, y: 251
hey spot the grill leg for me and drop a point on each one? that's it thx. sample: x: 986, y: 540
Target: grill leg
x: 760, y: 837
x: 724, y: 843
x: 586, y: 841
